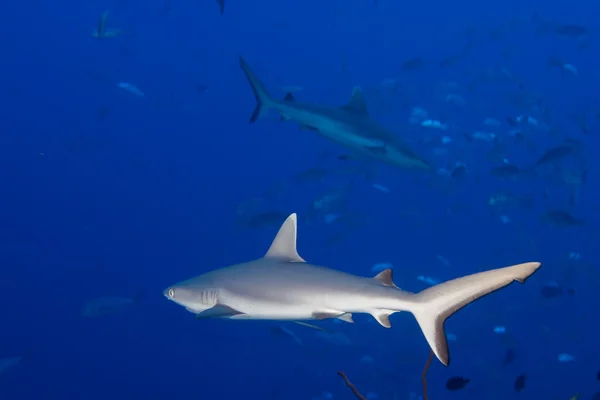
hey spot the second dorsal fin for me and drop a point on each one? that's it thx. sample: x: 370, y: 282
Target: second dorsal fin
x: 284, y: 245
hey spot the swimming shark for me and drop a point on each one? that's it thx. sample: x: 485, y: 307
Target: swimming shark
x: 349, y: 125
x: 282, y: 286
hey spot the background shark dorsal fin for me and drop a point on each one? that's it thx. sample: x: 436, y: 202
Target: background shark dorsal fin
x: 289, y: 97
x: 357, y: 104
x: 284, y: 245
x: 385, y: 277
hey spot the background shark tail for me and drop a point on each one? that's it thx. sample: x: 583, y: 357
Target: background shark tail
x: 434, y: 305
x: 263, y: 98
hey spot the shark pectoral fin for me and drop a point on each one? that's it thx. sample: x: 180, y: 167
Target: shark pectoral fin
x: 385, y: 277
x: 383, y: 317
x: 357, y: 104
x: 218, y: 311
x: 284, y: 245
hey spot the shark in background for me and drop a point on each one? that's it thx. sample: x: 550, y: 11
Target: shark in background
x: 282, y: 286
x: 349, y: 125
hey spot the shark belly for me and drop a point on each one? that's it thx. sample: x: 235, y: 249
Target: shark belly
x: 330, y: 128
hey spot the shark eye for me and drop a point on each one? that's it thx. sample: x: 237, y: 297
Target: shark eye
x: 171, y: 293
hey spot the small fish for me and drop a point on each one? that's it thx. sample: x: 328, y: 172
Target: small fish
x: 456, y: 383
x: 520, y: 382
x: 576, y: 397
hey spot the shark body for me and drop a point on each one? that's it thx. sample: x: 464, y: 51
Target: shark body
x: 349, y: 125
x: 282, y: 286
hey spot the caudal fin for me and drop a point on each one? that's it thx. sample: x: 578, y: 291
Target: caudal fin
x: 434, y: 305
x: 263, y: 98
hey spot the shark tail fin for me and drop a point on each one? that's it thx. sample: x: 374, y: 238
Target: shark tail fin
x: 434, y: 305
x: 263, y: 98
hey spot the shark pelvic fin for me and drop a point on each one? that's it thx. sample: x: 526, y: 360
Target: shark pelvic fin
x: 357, y: 104
x: 284, y: 245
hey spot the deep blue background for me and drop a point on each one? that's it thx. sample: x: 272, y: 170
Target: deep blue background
x: 146, y: 196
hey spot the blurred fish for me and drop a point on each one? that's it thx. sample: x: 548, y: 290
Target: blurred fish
x: 103, y: 306
x: 509, y: 357
x: 8, y: 363
x: 457, y: 383
x: 560, y: 218
x: 571, y: 30
x: 507, y: 171
x: 102, y: 32
x: 557, y: 153
x: 413, y: 64
x: 520, y: 382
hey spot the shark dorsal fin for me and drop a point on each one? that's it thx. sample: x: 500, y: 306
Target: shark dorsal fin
x: 385, y: 277
x: 357, y: 104
x: 289, y: 97
x: 284, y: 245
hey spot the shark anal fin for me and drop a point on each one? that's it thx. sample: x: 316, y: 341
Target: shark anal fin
x: 385, y: 277
x: 218, y: 311
x: 284, y: 245
x: 383, y: 318
x: 357, y: 104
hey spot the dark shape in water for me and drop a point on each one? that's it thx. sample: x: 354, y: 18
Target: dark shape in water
x: 520, y: 382
x: 459, y: 171
x: 596, y: 396
x: 457, y: 383
x: 598, y: 375
x: 560, y: 218
x: 201, y: 88
x: 221, y: 4
x: 556, y: 153
x: 413, y: 64
x: 506, y: 171
x: 509, y: 357
x: 551, y: 289
x: 571, y: 30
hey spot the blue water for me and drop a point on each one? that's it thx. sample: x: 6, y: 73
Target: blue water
x: 105, y: 193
